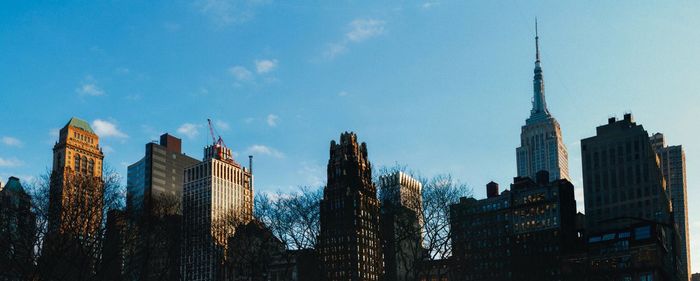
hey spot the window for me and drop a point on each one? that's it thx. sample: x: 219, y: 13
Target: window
x: 643, y: 232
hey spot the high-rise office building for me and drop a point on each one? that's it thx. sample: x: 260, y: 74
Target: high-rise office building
x: 622, y: 178
x: 217, y: 197
x: 673, y: 168
x: 349, y: 242
x: 75, y: 203
x: 541, y: 143
x: 521, y: 234
x: 401, y: 219
x: 154, y: 205
x: 17, y: 232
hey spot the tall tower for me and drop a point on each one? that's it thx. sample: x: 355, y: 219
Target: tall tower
x: 349, y: 243
x: 541, y: 143
x: 75, y: 199
x: 673, y: 168
x: 217, y: 198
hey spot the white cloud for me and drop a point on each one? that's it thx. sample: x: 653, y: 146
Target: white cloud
x: 360, y: 30
x: 107, y: 149
x: 240, y: 73
x: 272, y: 120
x: 188, y: 129
x: 249, y: 120
x: 363, y: 29
x: 90, y: 89
x: 227, y: 12
x: 259, y: 149
x: 265, y: 66
x: 430, y: 4
x: 10, y: 162
x: 342, y: 93
x: 312, y: 173
x: 105, y: 128
x: 222, y: 125
x: 10, y: 141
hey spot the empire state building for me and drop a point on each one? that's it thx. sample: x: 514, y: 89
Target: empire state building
x: 541, y: 145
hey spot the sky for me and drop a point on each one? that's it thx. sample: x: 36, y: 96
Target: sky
x: 440, y: 86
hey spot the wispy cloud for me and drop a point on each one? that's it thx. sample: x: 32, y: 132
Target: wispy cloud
x: 312, y: 173
x: 259, y: 149
x: 272, y: 120
x: 240, y: 73
x: 189, y: 130
x: 360, y: 30
x: 107, y: 149
x: 105, y: 128
x: 228, y: 12
x: 10, y: 141
x: 89, y: 87
x: 430, y: 4
x: 222, y: 125
x: 10, y: 162
x: 265, y: 66
x: 342, y: 93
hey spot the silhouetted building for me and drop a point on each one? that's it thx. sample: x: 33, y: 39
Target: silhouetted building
x: 639, y: 251
x: 252, y: 252
x: 114, y: 253
x: 217, y: 198
x: 673, y: 168
x: 522, y: 234
x: 622, y: 178
x: 695, y: 277
x: 541, y: 143
x: 75, y: 204
x: 154, y: 204
x: 435, y: 270
x: 401, y: 226
x: 349, y: 241
x: 17, y: 232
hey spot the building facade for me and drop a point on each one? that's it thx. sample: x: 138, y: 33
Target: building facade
x: 521, y: 234
x: 673, y: 168
x: 622, y: 177
x: 17, y: 232
x: 349, y: 242
x: 401, y: 221
x: 217, y: 198
x: 154, y: 207
x: 114, y: 251
x: 75, y: 203
x: 541, y: 143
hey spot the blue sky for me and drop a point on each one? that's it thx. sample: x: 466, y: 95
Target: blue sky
x: 440, y: 86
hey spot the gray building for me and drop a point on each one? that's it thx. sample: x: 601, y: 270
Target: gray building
x: 154, y: 195
x: 673, y: 168
x: 622, y: 178
x: 401, y: 221
x: 541, y: 143
x: 217, y: 199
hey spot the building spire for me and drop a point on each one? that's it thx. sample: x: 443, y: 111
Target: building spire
x: 539, y: 105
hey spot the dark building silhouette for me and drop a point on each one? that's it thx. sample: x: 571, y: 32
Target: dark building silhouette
x: 296, y: 265
x: 115, y: 246
x: 253, y: 249
x: 695, y: 277
x: 401, y: 224
x: 622, y: 178
x: 17, y: 232
x: 672, y: 159
x: 154, y: 206
x: 640, y: 251
x: 349, y: 241
x: 522, y: 234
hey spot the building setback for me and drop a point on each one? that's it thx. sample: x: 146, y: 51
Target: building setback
x: 541, y: 143
x: 673, y: 168
x: 349, y: 241
x: 521, y: 234
x: 401, y: 220
x: 622, y: 179
x: 217, y: 197
x: 154, y: 207
x: 17, y: 232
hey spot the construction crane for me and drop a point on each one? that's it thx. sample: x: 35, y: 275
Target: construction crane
x: 217, y: 141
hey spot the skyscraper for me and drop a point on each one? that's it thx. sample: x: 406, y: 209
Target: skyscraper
x: 154, y: 205
x: 673, y: 168
x: 217, y: 198
x: 17, y: 232
x: 401, y: 224
x: 541, y: 143
x: 349, y: 241
x: 622, y: 178
x: 75, y: 202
